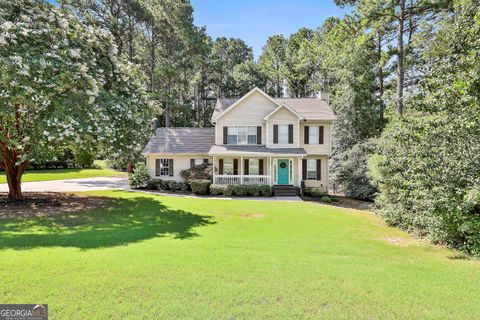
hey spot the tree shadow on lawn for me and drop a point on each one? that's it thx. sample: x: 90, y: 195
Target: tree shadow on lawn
x: 117, y: 222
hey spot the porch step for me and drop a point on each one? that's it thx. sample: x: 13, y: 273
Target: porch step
x: 285, y: 190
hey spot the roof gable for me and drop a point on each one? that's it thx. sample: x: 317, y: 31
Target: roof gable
x: 226, y: 105
x: 283, y: 106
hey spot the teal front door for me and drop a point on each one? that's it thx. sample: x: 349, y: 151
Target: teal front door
x: 282, y: 168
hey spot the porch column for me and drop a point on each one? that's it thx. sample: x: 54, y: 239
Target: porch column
x: 241, y: 169
x: 213, y: 168
x: 300, y: 163
x: 271, y: 170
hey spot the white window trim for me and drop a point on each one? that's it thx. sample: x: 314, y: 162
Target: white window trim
x: 313, y: 139
x: 237, y: 135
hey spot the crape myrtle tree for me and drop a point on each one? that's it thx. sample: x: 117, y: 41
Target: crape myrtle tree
x: 62, y: 85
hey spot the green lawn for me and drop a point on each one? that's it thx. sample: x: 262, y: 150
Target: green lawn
x: 60, y: 174
x: 155, y: 257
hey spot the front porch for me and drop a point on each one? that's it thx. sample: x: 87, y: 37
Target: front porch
x: 257, y: 170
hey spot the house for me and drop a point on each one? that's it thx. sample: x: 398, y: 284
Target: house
x: 256, y: 139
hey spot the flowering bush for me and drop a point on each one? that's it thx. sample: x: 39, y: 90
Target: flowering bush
x: 62, y: 85
x: 139, y: 178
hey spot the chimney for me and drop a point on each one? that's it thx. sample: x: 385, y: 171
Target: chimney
x: 323, y: 95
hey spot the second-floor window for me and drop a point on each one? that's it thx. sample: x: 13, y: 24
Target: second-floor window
x: 283, y: 133
x: 242, y: 135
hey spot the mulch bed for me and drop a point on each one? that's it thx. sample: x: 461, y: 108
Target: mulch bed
x: 42, y: 204
x: 345, y: 202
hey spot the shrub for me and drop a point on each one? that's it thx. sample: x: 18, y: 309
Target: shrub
x: 240, y: 190
x: 326, y: 199
x: 199, y: 172
x: 200, y: 186
x: 218, y: 189
x: 253, y: 190
x: 172, y: 185
x: 266, y: 191
x: 154, y: 184
x: 84, y: 158
x: 140, y: 178
x: 229, y: 191
x: 164, y: 185
x: 183, y: 186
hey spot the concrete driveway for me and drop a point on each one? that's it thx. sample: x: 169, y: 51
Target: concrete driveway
x: 72, y: 185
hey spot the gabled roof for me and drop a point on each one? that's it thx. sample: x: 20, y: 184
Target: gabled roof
x: 225, y: 105
x: 308, y: 108
x: 181, y: 141
x: 283, y: 106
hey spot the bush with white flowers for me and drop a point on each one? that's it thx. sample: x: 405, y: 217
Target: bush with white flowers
x: 62, y: 85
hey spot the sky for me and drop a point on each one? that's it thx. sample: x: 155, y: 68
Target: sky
x: 255, y: 21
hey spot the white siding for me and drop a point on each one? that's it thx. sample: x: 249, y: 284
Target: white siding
x: 315, y: 148
x: 282, y: 116
x: 319, y: 184
x: 250, y: 112
x: 180, y: 162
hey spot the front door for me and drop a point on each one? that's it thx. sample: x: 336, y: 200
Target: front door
x: 282, y: 171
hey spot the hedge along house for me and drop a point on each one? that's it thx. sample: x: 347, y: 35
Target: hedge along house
x: 256, y: 139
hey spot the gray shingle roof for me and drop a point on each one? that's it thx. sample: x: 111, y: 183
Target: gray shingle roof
x: 181, y: 140
x: 226, y: 149
x: 309, y: 108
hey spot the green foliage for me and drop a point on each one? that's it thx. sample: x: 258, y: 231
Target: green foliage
x: 84, y: 158
x: 172, y: 185
x: 429, y: 173
x: 200, y: 186
x: 218, y: 189
x: 139, y: 178
x: 199, y: 172
x: 326, y: 199
x: 154, y: 184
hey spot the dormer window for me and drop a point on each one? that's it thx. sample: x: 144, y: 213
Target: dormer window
x: 242, y: 135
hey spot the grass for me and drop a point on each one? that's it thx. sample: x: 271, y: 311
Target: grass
x: 156, y: 257
x: 101, y: 170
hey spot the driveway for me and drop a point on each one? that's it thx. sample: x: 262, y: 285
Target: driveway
x: 72, y: 185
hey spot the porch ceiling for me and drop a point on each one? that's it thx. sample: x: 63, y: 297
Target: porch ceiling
x: 254, y: 150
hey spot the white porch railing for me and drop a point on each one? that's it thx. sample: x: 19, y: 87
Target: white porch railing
x: 239, y: 179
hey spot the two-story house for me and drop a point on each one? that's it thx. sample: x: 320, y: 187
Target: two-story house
x: 257, y: 139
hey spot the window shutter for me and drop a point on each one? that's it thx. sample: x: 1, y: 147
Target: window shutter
x: 259, y: 135
x: 205, y: 161
x: 290, y: 133
x: 306, y: 134
x: 260, y: 167
x: 192, y: 163
x: 319, y: 169
x: 157, y: 167
x: 220, y: 166
x: 170, y: 167
x: 225, y: 135
x: 275, y: 133
x: 235, y: 167
x: 246, y: 166
x: 320, y: 135
x: 304, y: 169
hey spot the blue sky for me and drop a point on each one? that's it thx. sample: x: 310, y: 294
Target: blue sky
x: 254, y: 21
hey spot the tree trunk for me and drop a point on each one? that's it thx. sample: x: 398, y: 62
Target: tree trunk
x: 14, y: 173
x: 130, y: 167
x: 400, y: 66
x: 380, y: 76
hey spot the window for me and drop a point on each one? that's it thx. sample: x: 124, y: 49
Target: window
x: 283, y: 133
x: 198, y: 162
x: 228, y: 166
x: 164, y: 167
x: 311, y: 169
x: 252, y: 135
x: 232, y: 135
x: 242, y: 135
x: 253, y: 167
x: 313, y: 135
